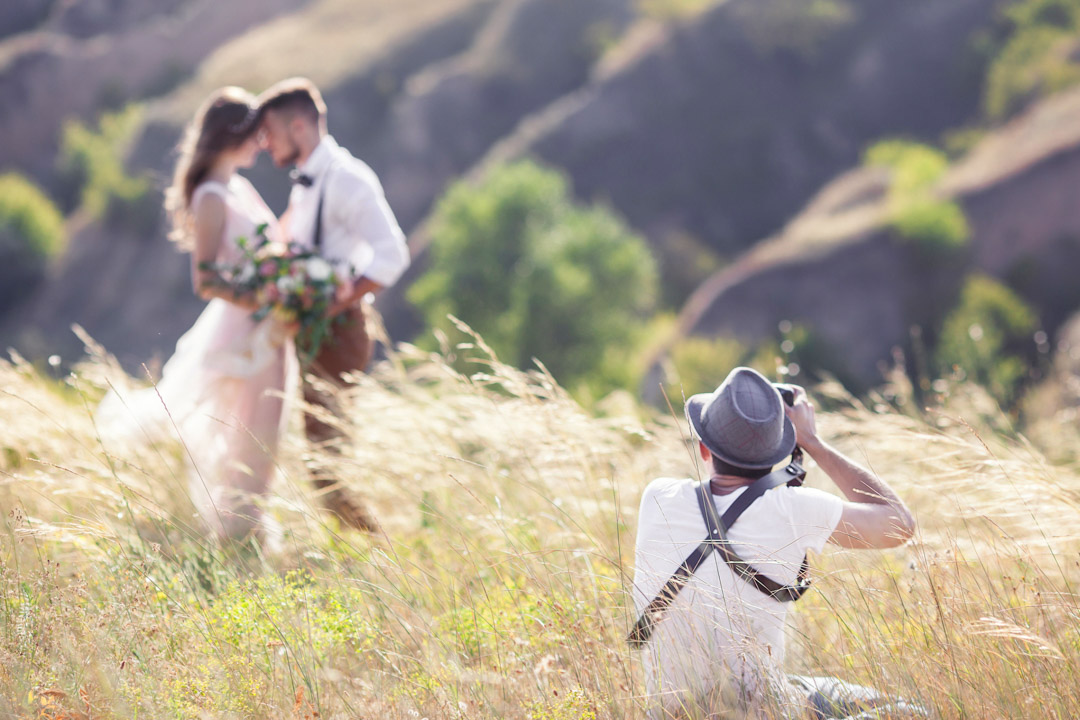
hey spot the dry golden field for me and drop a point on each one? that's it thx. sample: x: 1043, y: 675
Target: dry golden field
x: 500, y: 586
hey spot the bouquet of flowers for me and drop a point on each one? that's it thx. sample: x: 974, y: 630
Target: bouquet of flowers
x: 289, y: 282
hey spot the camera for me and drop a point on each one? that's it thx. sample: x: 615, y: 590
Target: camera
x: 787, y: 392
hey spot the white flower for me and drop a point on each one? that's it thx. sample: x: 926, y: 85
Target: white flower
x: 246, y: 273
x: 318, y: 269
x: 286, y: 284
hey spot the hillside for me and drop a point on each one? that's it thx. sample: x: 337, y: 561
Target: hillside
x: 724, y: 127
x: 838, y: 269
x: 93, y: 55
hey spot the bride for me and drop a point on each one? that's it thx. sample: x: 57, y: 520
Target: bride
x: 225, y: 390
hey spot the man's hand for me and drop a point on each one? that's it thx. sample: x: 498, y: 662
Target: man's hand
x: 802, y: 417
x: 349, y: 293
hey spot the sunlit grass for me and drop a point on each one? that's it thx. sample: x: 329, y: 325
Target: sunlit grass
x: 500, y: 587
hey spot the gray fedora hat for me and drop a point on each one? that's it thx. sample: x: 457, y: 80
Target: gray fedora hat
x: 743, y: 421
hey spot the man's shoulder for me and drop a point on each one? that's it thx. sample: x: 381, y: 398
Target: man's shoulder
x: 802, y: 494
x: 345, y: 164
x: 665, y: 490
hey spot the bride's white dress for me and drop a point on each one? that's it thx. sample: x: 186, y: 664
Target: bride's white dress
x: 226, y: 391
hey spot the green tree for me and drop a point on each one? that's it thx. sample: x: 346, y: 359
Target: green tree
x: 988, y: 337
x: 31, y: 231
x: 539, y: 277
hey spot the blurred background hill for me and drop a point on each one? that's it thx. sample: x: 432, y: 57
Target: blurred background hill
x: 817, y: 187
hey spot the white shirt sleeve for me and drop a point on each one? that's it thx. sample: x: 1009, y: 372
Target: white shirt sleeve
x: 372, y: 243
x: 814, y: 515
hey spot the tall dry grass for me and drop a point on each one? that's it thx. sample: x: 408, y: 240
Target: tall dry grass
x: 500, y: 587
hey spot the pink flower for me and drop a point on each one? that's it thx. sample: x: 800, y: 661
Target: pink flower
x: 267, y: 268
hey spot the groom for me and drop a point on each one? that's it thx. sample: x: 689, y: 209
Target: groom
x: 337, y: 207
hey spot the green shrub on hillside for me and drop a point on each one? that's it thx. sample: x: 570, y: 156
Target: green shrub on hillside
x: 937, y: 226
x: 797, y: 354
x: 538, y: 277
x: 31, y: 232
x: 1037, y: 56
x: 697, y: 364
x: 988, y: 337
x: 916, y: 213
x: 91, y: 168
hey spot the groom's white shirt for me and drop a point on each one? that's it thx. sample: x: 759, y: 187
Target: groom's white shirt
x: 360, y: 234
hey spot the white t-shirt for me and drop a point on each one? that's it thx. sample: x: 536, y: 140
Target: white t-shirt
x: 721, y: 636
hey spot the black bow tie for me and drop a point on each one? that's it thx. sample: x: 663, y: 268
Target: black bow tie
x: 302, y: 179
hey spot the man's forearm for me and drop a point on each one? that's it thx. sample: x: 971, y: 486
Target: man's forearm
x: 856, y: 482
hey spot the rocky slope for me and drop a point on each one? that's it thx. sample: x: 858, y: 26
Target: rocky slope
x: 68, y: 69
x: 839, y: 270
x: 717, y: 128
x: 724, y: 127
x: 17, y: 16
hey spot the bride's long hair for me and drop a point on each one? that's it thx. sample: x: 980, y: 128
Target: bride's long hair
x: 225, y: 121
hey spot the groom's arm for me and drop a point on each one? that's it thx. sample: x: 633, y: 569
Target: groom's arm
x: 369, y: 220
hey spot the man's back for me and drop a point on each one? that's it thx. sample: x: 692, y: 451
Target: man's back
x: 721, y: 633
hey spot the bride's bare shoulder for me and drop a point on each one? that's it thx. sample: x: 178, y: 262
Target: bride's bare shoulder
x: 208, y: 208
x: 209, y: 191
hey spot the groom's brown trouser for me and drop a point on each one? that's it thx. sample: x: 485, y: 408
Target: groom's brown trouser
x: 347, y: 350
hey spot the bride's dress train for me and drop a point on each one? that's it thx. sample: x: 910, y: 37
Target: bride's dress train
x: 226, y: 391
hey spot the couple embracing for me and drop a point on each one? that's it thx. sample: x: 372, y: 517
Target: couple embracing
x: 228, y: 387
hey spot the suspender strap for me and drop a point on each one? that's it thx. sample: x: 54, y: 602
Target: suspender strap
x: 318, y: 220
x: 793, y: 474
x: 318, y: 213
x: 643, y: 628
x: 717, y: 540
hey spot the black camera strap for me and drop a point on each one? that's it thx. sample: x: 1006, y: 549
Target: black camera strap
x: 717, y: 527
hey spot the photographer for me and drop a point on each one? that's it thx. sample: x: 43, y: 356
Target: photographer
x: 714, y: 574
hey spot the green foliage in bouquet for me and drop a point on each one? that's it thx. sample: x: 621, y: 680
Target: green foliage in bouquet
x: 539, y: 277
x: 988, y: 337
x: 31, y: 231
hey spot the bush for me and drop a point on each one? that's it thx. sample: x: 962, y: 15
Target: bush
x: 797, y: 354
x: 31, y: 232
x: 988, y: 338
x: 915, y: 212
x: 1035, y: 57
x: 91, y: 167
x: 936, y: 226
x: 538, y: 277
x: 699, y: 364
